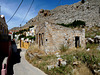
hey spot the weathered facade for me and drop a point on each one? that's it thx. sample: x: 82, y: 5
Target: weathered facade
x: 3, y: 28
x: 49, y: 37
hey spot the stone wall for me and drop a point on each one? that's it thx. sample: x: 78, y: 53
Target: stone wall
x: 50, y: 37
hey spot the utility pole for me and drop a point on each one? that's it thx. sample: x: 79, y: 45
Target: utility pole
x: 20, y: 37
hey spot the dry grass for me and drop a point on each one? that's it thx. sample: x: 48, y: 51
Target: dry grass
x: 85, y: 57
x: 83, y: 70
x: 46, y: 60
x: 63, y: 48
x: 92, y: 46
x: 72, y: 50
x: 34, y: 49
x: 43, y: 62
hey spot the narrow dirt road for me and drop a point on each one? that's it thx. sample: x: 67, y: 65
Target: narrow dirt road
x: 24, y: 68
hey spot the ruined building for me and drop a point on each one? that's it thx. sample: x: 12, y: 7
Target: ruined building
x: 50, y: 37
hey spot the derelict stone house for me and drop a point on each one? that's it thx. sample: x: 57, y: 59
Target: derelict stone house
x: 49, y: 37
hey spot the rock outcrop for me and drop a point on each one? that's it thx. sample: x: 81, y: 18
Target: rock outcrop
x: 89, y: 11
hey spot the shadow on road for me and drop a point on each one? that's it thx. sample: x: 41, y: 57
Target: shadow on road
x: 1, y: 60
x: 15, y: 58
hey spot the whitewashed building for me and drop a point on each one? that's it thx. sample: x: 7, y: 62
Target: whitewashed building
x: 31, y: 31
x: 17, y: 36
x: 11, y: 34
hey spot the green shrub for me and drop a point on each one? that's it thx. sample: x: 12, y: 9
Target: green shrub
x: 88, y: 46
x: 92, y: 46
x: 76, y: 23
x: 92, y: 57
x: 20, y: 32
x: 25, y: 30
x: 98, y: 33
x: 91, y: 33
x: 70, y: 59
x: 86, y: 57
x: 21, y: 36
x: 82, y: 1
x: 33, y: 37
x: 30, y: 37
x: 31, y: 26
x: 63, y: 70
x: 63, y: 48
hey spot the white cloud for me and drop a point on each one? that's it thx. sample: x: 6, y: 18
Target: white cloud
x: 20, y: 14
x: 9, y: 9
x: 6, y: 10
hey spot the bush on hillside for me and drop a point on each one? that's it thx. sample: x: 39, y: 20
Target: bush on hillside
x: 74, y: 24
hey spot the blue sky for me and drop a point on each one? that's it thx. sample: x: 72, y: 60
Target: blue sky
x: 8, y: 7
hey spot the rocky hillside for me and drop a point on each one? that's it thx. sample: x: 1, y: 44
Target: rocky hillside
x: 88, y: 12
x: 15, y: 28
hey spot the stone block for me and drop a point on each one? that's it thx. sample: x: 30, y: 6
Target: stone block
x: 50, y: 67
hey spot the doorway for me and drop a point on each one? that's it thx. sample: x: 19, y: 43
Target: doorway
x: 77, y: 41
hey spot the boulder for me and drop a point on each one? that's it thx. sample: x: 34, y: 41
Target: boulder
x: 63, y: 63
x: 50, y: 67
x: 41, y: 11
x: 97, y: 36
x: 76, y: 63
x: 98, y: 64
x: 58, y: 56
x: 90, y: 40
x: 88, y: 49
x: 97, y: 72
x: 59, y: 59
x: 46, y: 12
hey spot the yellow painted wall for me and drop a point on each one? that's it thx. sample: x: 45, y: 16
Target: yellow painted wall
x: 25, y: 44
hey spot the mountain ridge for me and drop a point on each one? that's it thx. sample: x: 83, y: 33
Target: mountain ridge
x: 88, y: 12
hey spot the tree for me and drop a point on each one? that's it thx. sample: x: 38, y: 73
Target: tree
x: 82, y: 1
x: 21, y: 36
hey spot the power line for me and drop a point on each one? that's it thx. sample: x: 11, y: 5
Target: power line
x: 27, y: 11
x: 15, y: 11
